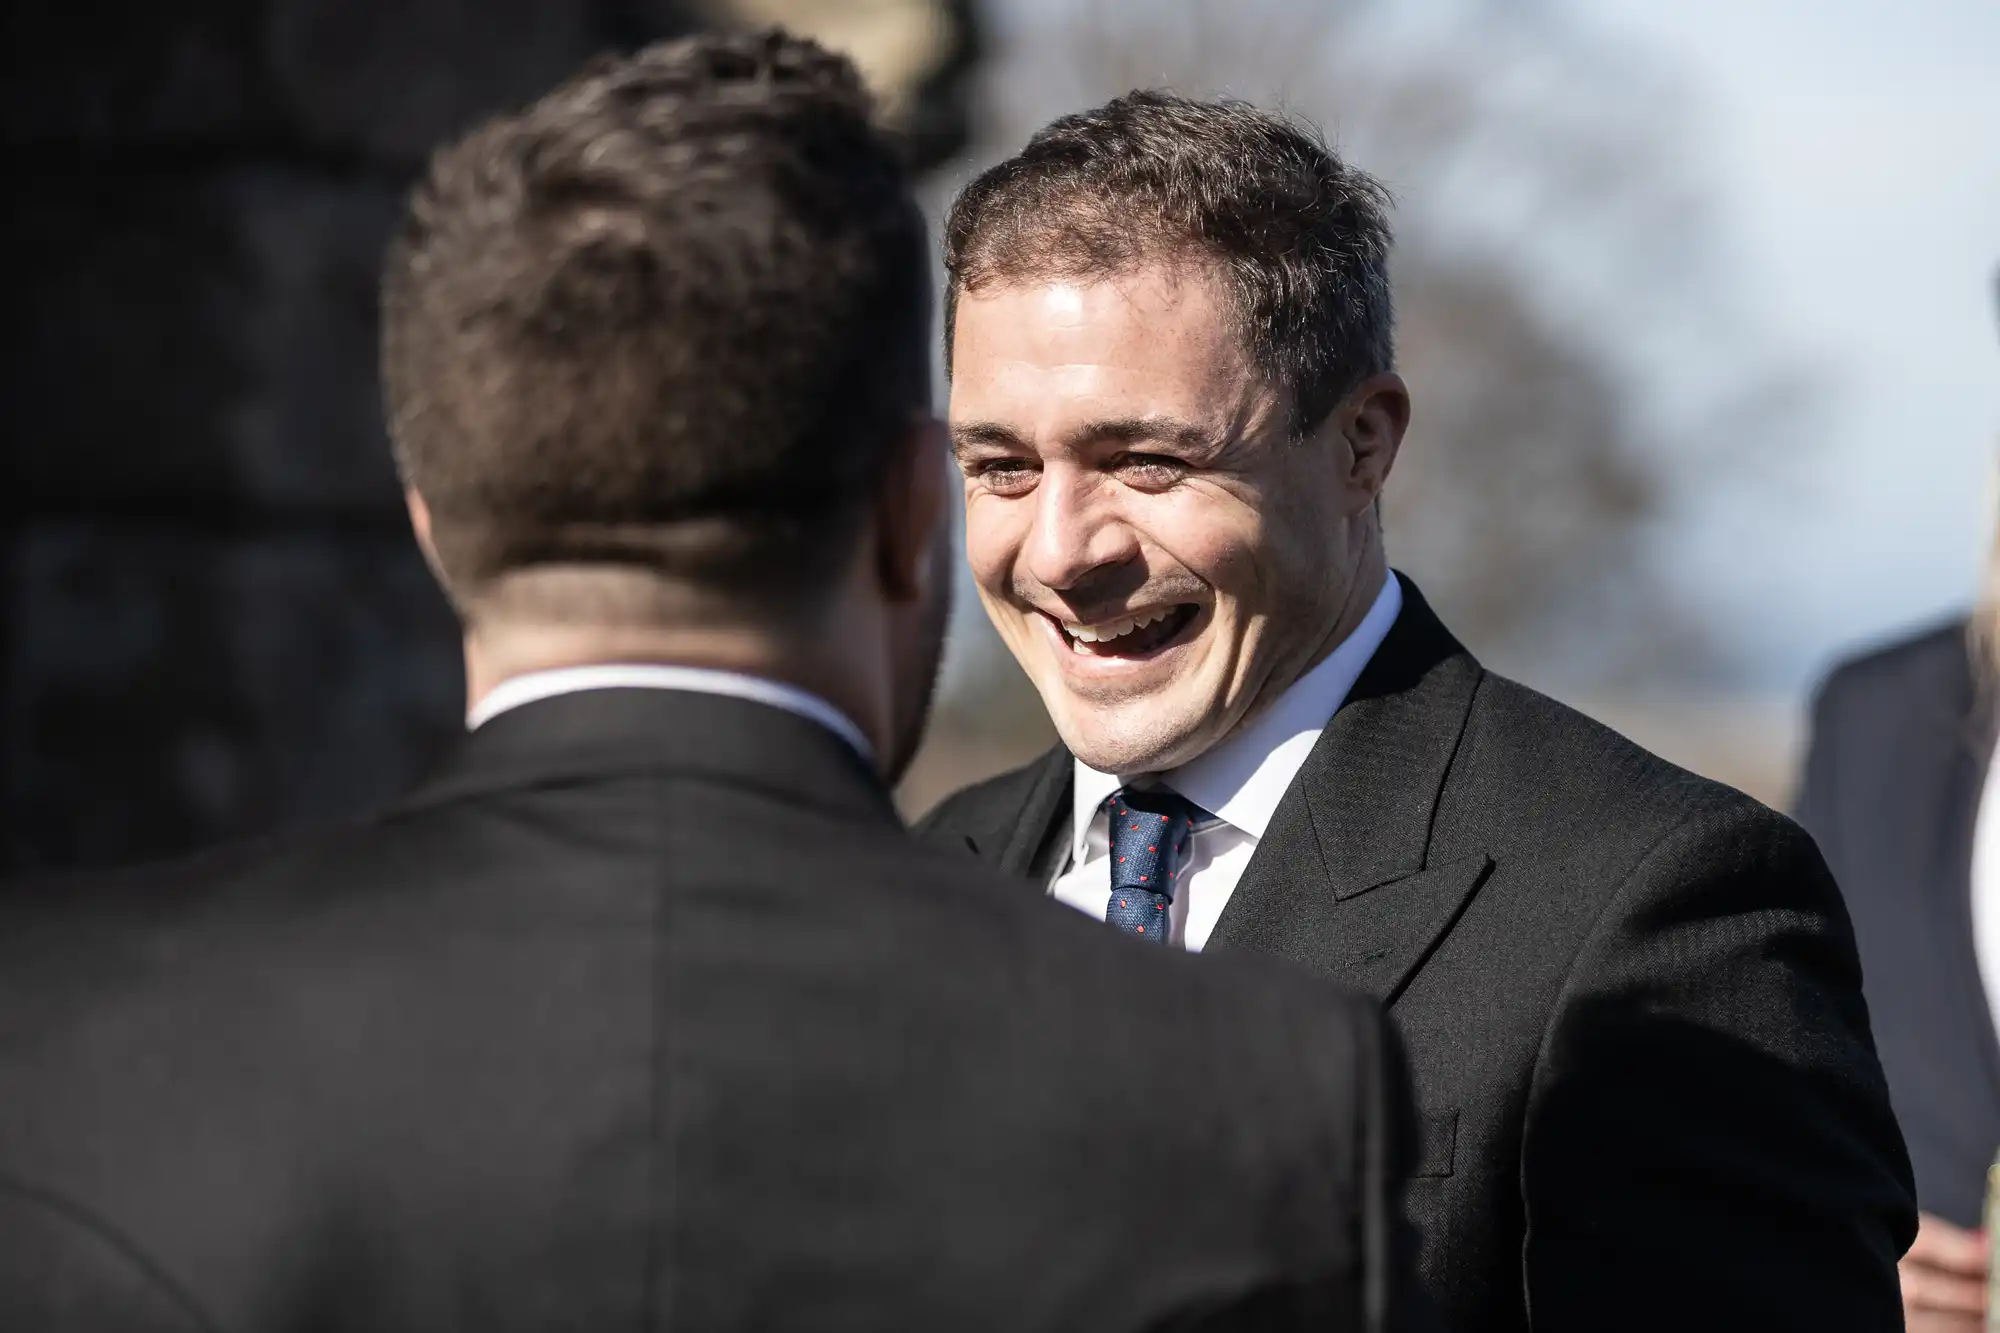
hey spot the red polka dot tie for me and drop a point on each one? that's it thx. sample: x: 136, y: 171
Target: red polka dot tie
x: 1150, y: 831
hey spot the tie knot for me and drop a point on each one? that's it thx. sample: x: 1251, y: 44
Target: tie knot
x: 1150, y: 829
x: 1164, y: 801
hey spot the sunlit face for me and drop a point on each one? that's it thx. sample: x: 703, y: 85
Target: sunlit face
x: 1159, y: 554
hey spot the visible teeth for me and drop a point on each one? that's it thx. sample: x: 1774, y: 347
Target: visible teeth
x: 1115, y: 629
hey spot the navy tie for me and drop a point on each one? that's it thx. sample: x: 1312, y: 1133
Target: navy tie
x: 1149, y: 839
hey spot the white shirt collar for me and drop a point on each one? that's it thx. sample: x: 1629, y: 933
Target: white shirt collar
x: 539, y: 685
x: 1242, y: 779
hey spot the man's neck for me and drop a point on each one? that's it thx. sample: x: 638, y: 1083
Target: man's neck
x: 497, y: 654
x: 1371, y: 575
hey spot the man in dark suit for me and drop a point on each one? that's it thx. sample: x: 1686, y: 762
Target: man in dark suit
x: 1897, y: 791
x: 647, y: 1013
x: 1630, y: 997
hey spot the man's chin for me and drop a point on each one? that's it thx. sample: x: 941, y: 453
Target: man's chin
x: 1129, y: 739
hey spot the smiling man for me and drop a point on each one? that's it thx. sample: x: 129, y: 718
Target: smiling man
x: 1631, y: 998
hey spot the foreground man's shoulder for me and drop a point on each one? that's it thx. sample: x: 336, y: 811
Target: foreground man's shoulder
x: 1071, y: 959
x: 1251, y: 1030
x: 992, y: 801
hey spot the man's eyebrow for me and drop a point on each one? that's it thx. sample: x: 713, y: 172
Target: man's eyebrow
x: 989, y: 434
x: 1174, y: 431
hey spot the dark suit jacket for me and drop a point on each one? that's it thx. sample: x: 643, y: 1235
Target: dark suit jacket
x: 1629, y: 996
x: 649, y: 1014
x: 1892, y: 784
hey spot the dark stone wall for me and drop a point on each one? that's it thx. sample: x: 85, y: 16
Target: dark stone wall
x: 212, y: 620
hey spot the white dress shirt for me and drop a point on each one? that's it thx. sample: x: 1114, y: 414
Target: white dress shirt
x: 1239, y: 781
x: 538, y: 685
x: 1986, y: 888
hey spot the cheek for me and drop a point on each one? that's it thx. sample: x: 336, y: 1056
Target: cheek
x: 1218, y: 541
x: 1303, y: 554
x: 993, y: 534
x: 1285, y: 558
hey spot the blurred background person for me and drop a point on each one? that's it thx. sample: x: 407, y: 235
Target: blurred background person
x: 1899, y: 791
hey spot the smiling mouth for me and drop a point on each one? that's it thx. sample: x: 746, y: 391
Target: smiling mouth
x: 1128, y: 636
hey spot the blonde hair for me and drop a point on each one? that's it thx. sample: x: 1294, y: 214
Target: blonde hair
x: 1982, y: 630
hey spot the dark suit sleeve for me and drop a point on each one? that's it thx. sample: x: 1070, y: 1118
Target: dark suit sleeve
x: 1709, y: 1142
x: 64, y: 1271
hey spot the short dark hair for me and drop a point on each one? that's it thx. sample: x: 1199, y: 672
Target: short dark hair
x: 1301, y: 238
x: 674, y: 316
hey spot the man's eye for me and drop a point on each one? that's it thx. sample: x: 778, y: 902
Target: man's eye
x: 1150, y: 470
x: 1005, y: 474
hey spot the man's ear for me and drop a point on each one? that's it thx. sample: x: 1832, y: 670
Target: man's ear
x: 1372, y: 419
x: 420, y: 524
x: 911, y: 504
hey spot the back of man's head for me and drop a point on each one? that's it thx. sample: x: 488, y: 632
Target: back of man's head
x: 669, y: 321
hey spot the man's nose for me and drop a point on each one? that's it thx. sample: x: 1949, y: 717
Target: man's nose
x: 1077, y: 532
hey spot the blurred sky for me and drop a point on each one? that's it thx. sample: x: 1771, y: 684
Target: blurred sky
x: 1852, y: 148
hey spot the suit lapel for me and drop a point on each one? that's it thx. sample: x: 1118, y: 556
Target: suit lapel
x: 1044, y: 820
x: 1015, y: 830
x: 1342, y: 880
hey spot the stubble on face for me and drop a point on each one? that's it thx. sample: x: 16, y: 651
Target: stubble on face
x: 1158, y: 554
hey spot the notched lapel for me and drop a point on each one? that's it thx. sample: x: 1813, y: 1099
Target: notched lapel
x: 1370, y: 935
x: 1009, y: 821
x: 1019, y: 850
x: 1342, y: 880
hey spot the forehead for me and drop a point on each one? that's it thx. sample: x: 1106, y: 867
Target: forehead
x: 1157, y: 339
